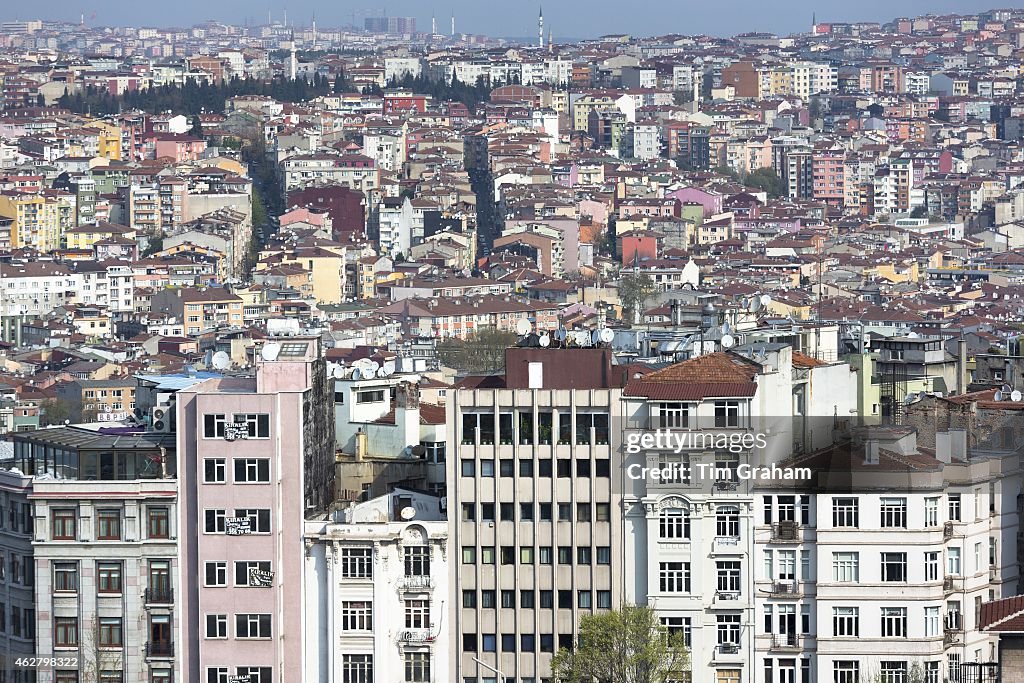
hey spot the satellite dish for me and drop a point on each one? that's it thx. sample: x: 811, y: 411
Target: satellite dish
x: 998, y: 396
x: 561, y: 333
x: 338, y: 372
x: 221, y: 360
x: 595, y: 337
x: 407, y: 513
x: 582, y: 338
x: 270, y: 351
x: 726, y: 328
x: 728, y: 341
x: 909, y: 398
x: 913, y: 335
x: 389, y: 365
x: 356, y: 374
x: 1015, y: 396
x: 765, y: 299
x: 745, y: 303
x: 373, y: 366
x: 607, y: 335
x: 755, y: 304
x: 545, y: 341
x: 381, y: 372
x: 523, y: 328
x: 1007, y: 388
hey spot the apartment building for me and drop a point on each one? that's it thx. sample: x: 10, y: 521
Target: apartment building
x: 103, y: 562
x: 201, y: 308
x: 883, y: 567
x: 257, y: 456
x: 377, y: 599
x: 17, y: 580
x: 36, y: 219
x: 534, y: 509
x: 354, y: 171
x: 690, y: 531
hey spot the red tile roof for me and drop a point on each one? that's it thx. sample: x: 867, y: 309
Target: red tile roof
x: 715, y: 375
x: 1004, y: 616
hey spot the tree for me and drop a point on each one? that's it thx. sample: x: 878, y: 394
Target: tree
x: 54, y: 412
x: 634, y: 290
x: 919, y: 212
x: 197, y: 127
x: 767, y: 180
x: 727, y: 171
x: 629, y: 645
x: 482, y: 351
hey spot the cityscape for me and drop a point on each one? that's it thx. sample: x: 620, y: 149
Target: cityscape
x: 376, y: 351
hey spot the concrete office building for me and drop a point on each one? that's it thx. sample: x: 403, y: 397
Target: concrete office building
x: 534, y: 510
x: 257, y: 457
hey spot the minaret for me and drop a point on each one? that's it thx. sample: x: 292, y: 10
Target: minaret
x: 293, y: 62
x: 540, y: 29
x: 453, y: 24
x: 433, y: 25
x: 314, y: 31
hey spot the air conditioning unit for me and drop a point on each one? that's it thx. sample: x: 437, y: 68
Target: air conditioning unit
x: 160, y: 418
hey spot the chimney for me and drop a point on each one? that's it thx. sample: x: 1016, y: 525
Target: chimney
x: 961, y: 365
x: 942, y: 447
x: 362, y: 445
x: 871, y: 452
x: 407, y: 412
x: 958, y: 445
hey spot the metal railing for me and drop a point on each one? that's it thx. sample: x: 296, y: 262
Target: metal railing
x: 787, y: 531
x: 159, y: 648
x: 159, y: 596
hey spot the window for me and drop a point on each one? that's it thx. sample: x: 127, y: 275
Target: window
x: 259, y: 519
x: 65, y: 577
x: 931, y: 512
x: 216, y: 574
x: 217, y: 674
x: 931, y: 566
x: 357, y: 563
x: 584, y: 599
x: 604, y: 554
x: 894, y: 567
x: 469, y: 599
x: 727, y: 414
x: 564, y: 554
x: 356, y: 615
x: 953, y: 561
x: 253, y: 626
x: 892, y: 672
x: 242, y: 570
x: 357, y: 669
x: 894, y: 622
x: 487, y: 468
x: 477, y: 428
x: 108, y: 577
x: 846, y: 512
x: 417, y: 666
x: 507, y: 467
x: 728, y: 629
x: 845, y: 672
x: 468, y: 554
x: 583, y: 512
x: 65, y: 631
x: 214, y: 425
x: 674, y: 523
x: 931, y: 622
x: 604, y: 599
x: 894, y: 513
x: 525, y: 468
x: 526, y: 555
x: 673, y: 415
x: 728, y: 573
x: 252, y: 470
x: 674, y: 577
x: 544, y: 554
x: 488, y: 599
x: 370, y: 396
x: 954, y: 507
x: 159, y: 522
x: 256, y: 425
x: 417, y: 560
x: 110, y: 632
x: 214, y: 470
x: 216, y: 626
x: 65, y: 677
x: 564, y: 427
x: 508, y: 554
x: 527, y: 599
x: 64, y: 525
x: 215, y: 520
x: 846, y: 567
x: 846, y: 622
x: 677, y: 626
x: 487, y: 554
x: 468, y: 467
x: 727, y: 522
x: 256, y: 674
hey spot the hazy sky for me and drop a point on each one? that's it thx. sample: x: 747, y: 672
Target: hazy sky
x: 573, y: 18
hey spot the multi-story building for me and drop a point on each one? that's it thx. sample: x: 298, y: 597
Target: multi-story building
x: 36, y: 219
x: 377, y: 599
x: 534, y: 510
x: 354, y: 171
x: 104, y: 549
x: 257, y: 457
x: 17, y: 578
x: 202, y: 309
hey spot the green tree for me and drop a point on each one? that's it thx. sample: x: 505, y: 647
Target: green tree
x: 919, y: 212
x: 197, y: 127
x: 482, y: 351
x: 727, y: 171
x: 634, y: 290
x: 766, y: 180
x: 54, y: 412
x: 628, y: 645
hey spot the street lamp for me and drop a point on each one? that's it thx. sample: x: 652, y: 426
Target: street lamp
x: 488, y: 666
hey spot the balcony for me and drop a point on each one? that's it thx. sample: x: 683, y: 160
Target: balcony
x: 727, y: 544
x: 415, y: 635
x: 731, y: 596
x: 159, y: 596
x: 159, y: 649
x: 952, y: 584
x: 726, y: 485
x: 947, y: 530
x: 786, y: 532
x: 783, y: 587
x: 727, y: 652
x: 415, y: 583
x: 952, y: 638
x: 785, y: 641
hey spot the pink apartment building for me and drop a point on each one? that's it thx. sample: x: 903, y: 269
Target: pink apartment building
x: 257, y: 456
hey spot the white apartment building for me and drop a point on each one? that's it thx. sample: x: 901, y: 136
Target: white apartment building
x: 354, y: 171
x: 534, y: 511
x: 377, y: 602
x: 690, y: 536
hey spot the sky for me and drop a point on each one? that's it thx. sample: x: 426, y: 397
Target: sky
x: 567, y: 18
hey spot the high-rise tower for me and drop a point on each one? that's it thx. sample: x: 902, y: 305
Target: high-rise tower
x: 540, y: 29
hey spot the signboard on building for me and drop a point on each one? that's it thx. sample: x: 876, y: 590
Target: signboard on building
x: 260, y: 579
x: 237, y: 526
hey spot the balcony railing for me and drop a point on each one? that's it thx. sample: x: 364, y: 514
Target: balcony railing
x: 947, y: 530
x: 415, y: 583
x: 415, y: 635
x: 728, y: 649
x: 786, y: 587
x: 727, y: 595
x: 785, y: 641
x: 951, y: 638
x: 159, y: 648
x: 951, y: 584
x: 786, y: 532
x: 159, y: 596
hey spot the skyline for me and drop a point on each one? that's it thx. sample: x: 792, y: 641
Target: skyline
x: 565, y: 19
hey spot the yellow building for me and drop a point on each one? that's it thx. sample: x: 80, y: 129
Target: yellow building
x: 36, y: 221
x: 582, y: 107
x: 87, y: 235
x: 108, y: 144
